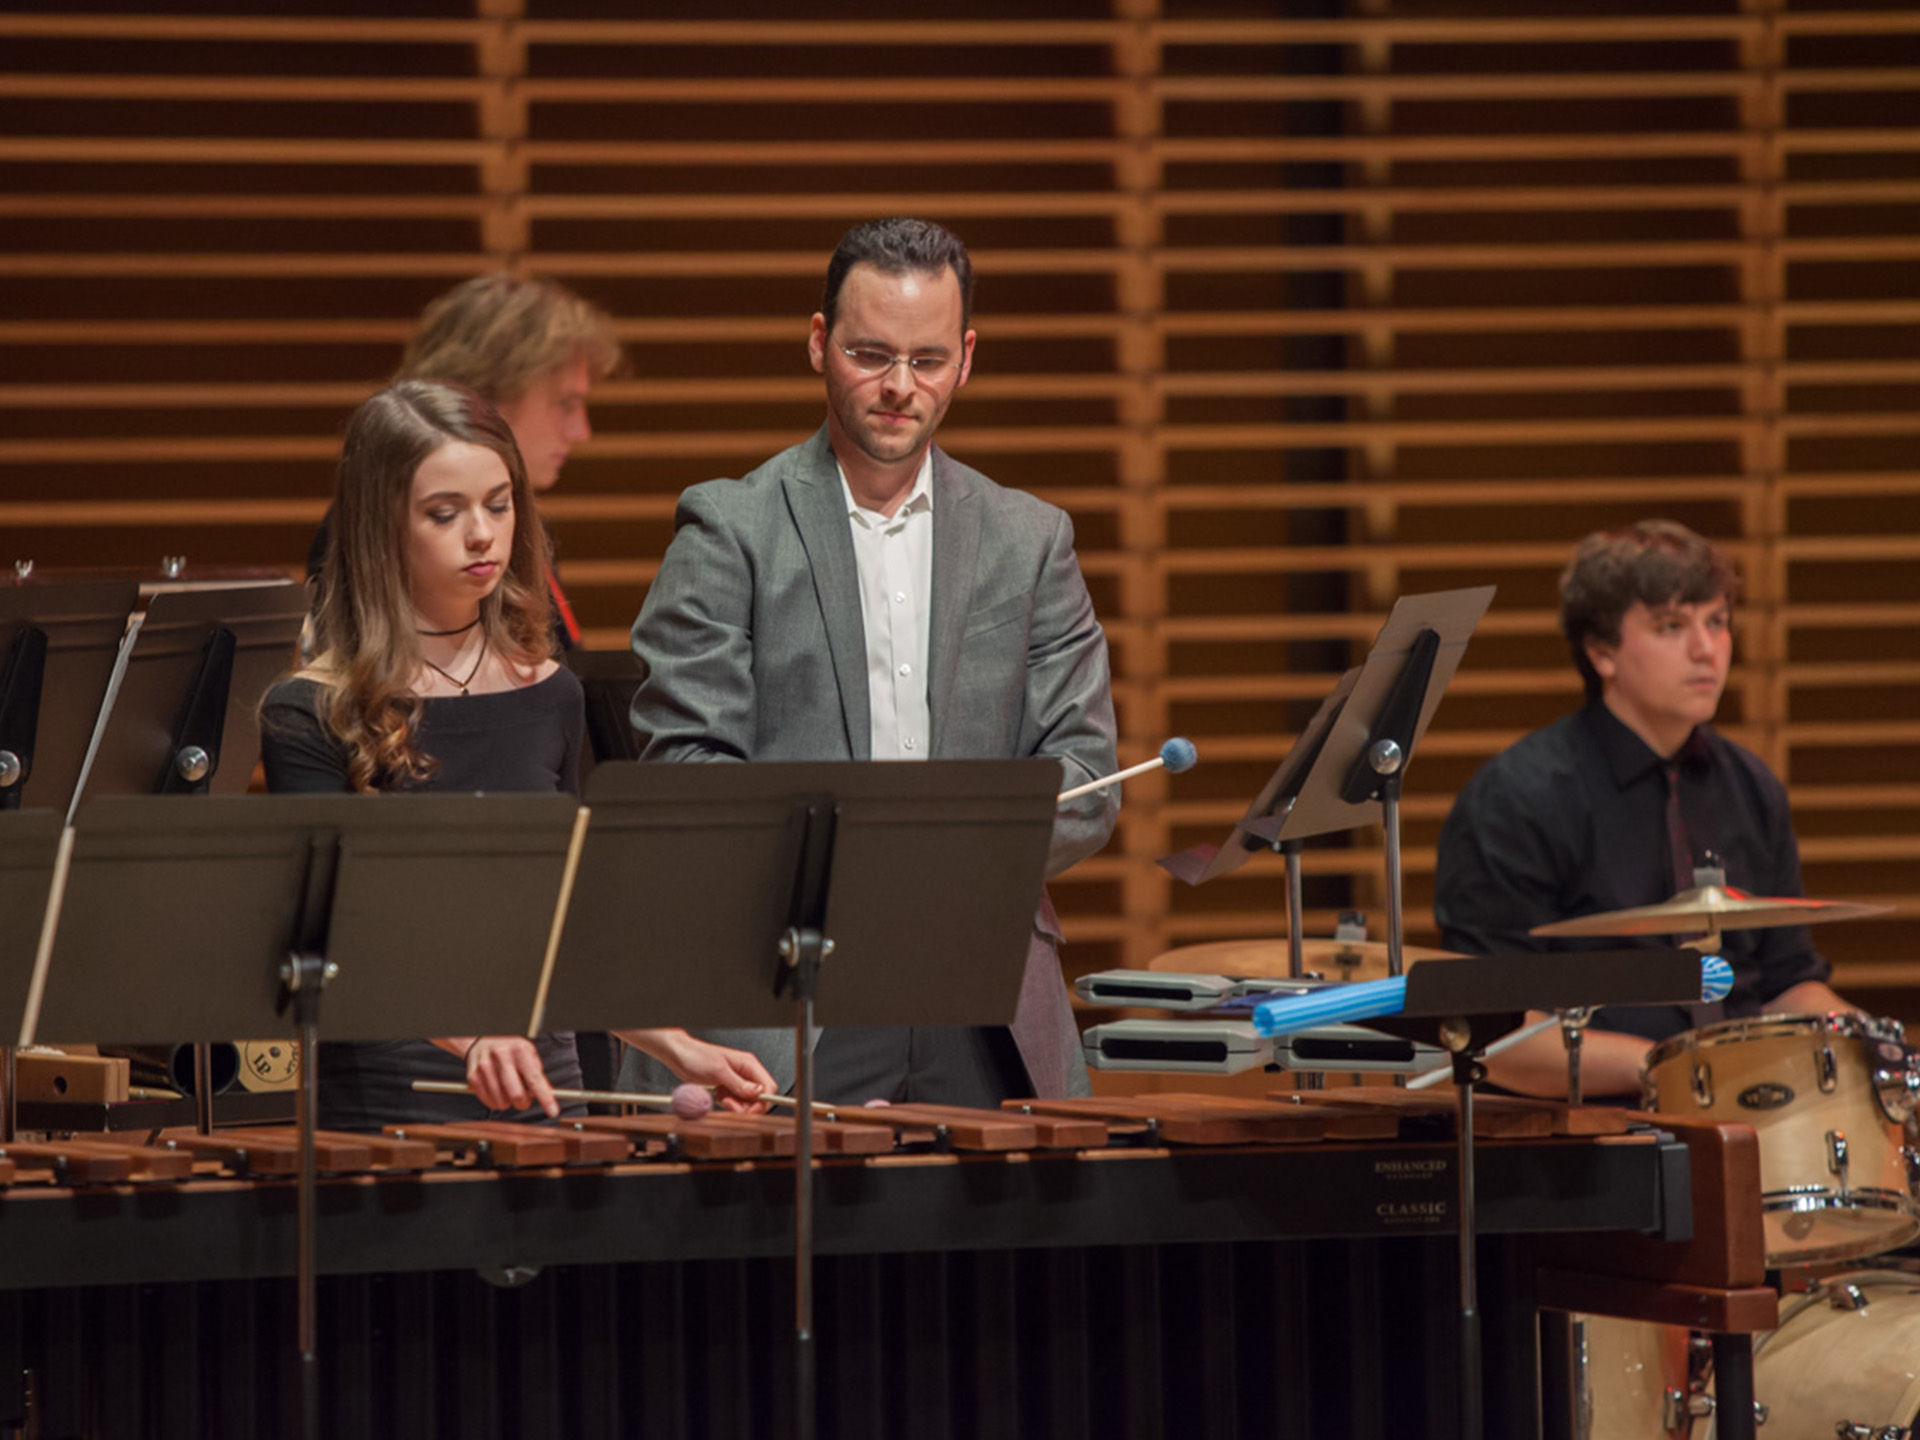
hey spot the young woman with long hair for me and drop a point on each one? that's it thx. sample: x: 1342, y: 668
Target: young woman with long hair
x: 434, y: 670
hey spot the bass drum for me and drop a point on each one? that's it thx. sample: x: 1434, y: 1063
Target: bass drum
x: 1845, y: 1360
x: 1633, y: 1383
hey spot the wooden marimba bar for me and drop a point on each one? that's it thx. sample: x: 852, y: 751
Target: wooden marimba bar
x: 1188, y: 1266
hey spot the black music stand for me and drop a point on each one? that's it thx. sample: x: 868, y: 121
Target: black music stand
x: 1353, y: 754
x: 181, y: 709
x: 57, y: 644
x: 712, y: 895
x: 30, y: 845
x: 1469, y: 1002
x: 608, y: 678
x: 202, y: 918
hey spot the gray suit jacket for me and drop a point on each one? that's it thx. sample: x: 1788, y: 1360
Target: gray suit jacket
x: 755, y: 650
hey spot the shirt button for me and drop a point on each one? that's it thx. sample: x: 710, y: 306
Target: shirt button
x: 906, y: 669
x: 909, y: 742
x: 899, y: 597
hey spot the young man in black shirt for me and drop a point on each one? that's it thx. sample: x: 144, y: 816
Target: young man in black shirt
x: 1613, y: 806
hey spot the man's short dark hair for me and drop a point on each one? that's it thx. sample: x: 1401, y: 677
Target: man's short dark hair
x: 1655, y: 562
x: 899, y: 246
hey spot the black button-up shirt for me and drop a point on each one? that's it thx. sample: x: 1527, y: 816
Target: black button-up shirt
x: 1572, y: 820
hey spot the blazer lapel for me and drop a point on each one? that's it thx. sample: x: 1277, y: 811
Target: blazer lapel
x: 956, y: 555
x: 820, y: 515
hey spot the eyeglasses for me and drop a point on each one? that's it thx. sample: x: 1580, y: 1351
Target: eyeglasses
x: 879, y: 362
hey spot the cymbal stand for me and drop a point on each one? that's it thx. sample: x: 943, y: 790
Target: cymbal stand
x: 1573, y: 1029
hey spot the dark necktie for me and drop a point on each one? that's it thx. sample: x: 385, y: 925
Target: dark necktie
x: 1680, y: 861
x: 1679, y: 849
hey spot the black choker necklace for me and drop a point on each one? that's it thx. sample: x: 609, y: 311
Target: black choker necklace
x: 458, y: 630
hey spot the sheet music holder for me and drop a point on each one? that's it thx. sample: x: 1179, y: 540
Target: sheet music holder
x: 1256, y: 831
x: 57, y: 644
x: 181, y: 709
x: 179, y: 912
x: 687, y: 883
x: 714, y: 895
x: 1377, y: 714
x: 609, y: 678
x: 198, y: 918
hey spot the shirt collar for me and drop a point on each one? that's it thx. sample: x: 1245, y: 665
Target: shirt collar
x: 1630, y: 758
x: 919, y: 498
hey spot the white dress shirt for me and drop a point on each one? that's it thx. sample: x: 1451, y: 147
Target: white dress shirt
x: 895, y: 556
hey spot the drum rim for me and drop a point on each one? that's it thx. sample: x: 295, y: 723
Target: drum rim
x: 1863, y: 1248
x: 1849, y: 1024
x: 1802, y: 1198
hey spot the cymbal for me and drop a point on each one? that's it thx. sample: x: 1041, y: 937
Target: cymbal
x: 1709, y: 909
x: 1333, y: 959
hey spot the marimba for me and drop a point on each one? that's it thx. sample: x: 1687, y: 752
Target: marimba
x: 1194, y: 1267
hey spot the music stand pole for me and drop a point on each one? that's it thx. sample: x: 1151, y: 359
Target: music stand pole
x: 1386, y: 758
x: 803, y: 948
x: 1457, y: 1036
x: 304, y: 975
x: 1296, y: 891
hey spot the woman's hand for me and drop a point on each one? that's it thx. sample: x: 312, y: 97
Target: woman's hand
x: 738, y: 1078
x: 505, y: 1072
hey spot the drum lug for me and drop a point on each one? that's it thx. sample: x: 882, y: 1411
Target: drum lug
x: 1829, y: 1069
x: 1680, y: 1407
x: 1703, y: 1085
x: 1897, y: 1089
x: 1848, y: 1297
x: 1837, y: 1154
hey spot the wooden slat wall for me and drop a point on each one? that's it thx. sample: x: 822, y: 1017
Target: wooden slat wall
x: 1296, y: 308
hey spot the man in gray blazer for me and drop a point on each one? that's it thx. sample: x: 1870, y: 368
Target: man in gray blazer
x: 865, y: 596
